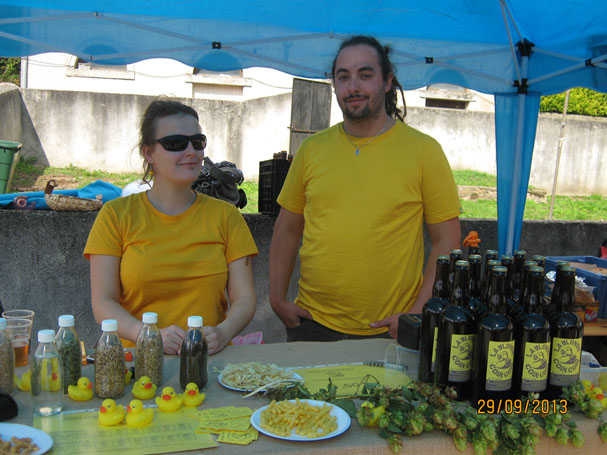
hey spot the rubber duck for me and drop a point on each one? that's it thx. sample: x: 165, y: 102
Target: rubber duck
x: 82, y: 391
x: 52, y: 381
x: 128, y: 375
x: 137, y: 416
x: 169, y: 401
x: 144, y: 389
x: 111, y: 414
x: 24, y: 384
x: 192, y: 397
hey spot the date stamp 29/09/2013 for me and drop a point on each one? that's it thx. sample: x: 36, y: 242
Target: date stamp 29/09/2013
x: 522, y: 406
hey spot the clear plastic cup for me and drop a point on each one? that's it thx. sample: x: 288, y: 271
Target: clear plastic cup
x: 403, y: 359
x: 18, y: 314
x: 20, y: 331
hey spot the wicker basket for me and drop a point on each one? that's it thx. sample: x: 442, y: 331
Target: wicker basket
x: 63, y: 202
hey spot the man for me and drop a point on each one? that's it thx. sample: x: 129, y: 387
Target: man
x: 358, y: 194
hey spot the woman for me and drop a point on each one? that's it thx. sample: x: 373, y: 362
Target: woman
x: 170, y: 250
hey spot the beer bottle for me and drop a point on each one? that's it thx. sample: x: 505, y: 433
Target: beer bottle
x: 511, y: 305
x: 494, y: 349
x: 541, y: 260
x: 476, y: 303
x: 556, y: 290
x: 430, y: 315
x: 517, y: 276
x: 456, y: 333
x: 472, y: 250
x: 566, y: 332
x: 454, y: 256
x: 490, y: 255
x: 532, y: 334
x: 515, y: 309
x: 490, y: 265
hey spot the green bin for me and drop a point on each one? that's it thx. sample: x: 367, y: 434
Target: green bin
x: 9, y: 152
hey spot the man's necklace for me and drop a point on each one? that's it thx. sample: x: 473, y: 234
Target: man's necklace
x: 358, y: 147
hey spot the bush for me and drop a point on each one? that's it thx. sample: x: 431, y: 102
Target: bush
x: 582, y: 101
x: 10, y: 70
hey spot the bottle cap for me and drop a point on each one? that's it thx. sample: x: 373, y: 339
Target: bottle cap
x: 66, y: 320
x: 109, y: 325
x: 46, y: 336
x: 149, y: 318
x: 195, y: 321
x: 2, y: 323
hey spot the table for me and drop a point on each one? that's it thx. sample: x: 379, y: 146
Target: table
x: 597, y: 328
x: 355, y: 441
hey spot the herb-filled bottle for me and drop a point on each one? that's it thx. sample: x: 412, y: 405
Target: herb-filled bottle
x: 194, y: 355
x: 566, y: 332
x: 149, y: 350
x: 494, y: 348
x: 7, y: 360
x: 109, y: 362
x: 430, y: 315
x: 68, y: 344
x: 456, y: 333
x: 454, y: 256
x: 517, y: 276
x: 47, y: 376
x: 489, y: 255
x: 532, y: 334
x: 476, y: 303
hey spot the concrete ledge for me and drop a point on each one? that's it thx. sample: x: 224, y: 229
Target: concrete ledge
x: 42, y: 267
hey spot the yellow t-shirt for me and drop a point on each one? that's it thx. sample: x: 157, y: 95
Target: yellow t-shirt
x: 176, y: 266
x: 363, y: 250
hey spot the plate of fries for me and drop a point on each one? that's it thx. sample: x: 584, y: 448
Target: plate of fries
x: 301, y: 420
x: 251, y: 376
x: 23, y: 439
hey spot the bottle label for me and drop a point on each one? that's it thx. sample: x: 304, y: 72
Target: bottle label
x: 434, y: 348
x: 460, y: 358
x: 566, y: 359
x: 535, y: 367
x: 499, y: 366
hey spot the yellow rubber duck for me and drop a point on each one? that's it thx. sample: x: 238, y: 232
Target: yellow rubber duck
x: 82, y: 391
x: 24, y: 384
x: 52, y: 381
x: 137, y: 415
x: 128, y: 375
x: 144, y: 389
x: 111, y: 414
x: 192, y: 396
x: 169, y: 401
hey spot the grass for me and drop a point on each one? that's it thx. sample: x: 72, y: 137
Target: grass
x: 588, y: 208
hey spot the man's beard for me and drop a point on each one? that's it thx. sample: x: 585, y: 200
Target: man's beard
x: 364, y: 114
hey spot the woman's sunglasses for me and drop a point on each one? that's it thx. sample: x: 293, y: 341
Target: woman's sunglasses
x: 179, y: 142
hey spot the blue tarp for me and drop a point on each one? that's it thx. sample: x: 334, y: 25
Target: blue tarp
x: 516, y: 50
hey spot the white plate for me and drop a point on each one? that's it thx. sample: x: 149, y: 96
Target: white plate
x: 39, y: 437
x: 343, y: 423
x: 295, y: 377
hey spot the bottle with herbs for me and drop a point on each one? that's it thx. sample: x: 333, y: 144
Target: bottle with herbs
x: 7, y: 360
x: 194, y: 355
x: 149, y: 350
x: 109, y: 362
x: 68, y: 344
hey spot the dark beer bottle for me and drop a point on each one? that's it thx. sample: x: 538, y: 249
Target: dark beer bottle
x: 541, y: 260
x: 532, y: 334
x: 476, y: 303
x: 515, y: 309
x: 454, y: 256
x: 456, y: 333
x: 430, y: 315
x: 490, y: 265
x: 472, y: 250
x: 511, y: 305
x: 490, y: 255
x: 517, y: 276
x: 566, y: 332
x: 556, y: 290
x: 494, y: 348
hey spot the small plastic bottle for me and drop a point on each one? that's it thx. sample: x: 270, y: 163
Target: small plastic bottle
x: 109, y: 362
x: 7, y: 360
x: 194, y: 355
x: 47, y: 376
x: 149, y: 350
x: 68, y: 344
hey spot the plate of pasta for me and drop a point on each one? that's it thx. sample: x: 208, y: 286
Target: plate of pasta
x: 251, y: 376
x: 301, y: 420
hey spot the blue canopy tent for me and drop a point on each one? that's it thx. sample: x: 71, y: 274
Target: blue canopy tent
x: 516, y: 50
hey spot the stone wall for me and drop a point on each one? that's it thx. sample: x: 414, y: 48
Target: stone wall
x: 42, y: 267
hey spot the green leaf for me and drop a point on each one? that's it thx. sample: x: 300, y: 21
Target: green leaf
x: 394, y: 429
x: 571, y: 424
x: 346, y: 405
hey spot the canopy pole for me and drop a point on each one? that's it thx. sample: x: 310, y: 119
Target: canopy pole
x: 558, y: 153
x: 518, y: 153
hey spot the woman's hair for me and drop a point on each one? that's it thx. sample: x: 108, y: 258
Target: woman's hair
x: 387, y: 68
x: 147, y: 132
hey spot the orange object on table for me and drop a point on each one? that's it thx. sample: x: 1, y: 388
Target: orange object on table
x: 471, y: 239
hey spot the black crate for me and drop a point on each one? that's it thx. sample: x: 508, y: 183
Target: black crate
x: 272, y: 174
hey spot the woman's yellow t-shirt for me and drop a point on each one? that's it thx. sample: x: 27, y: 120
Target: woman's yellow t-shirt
x: 175, y: 266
